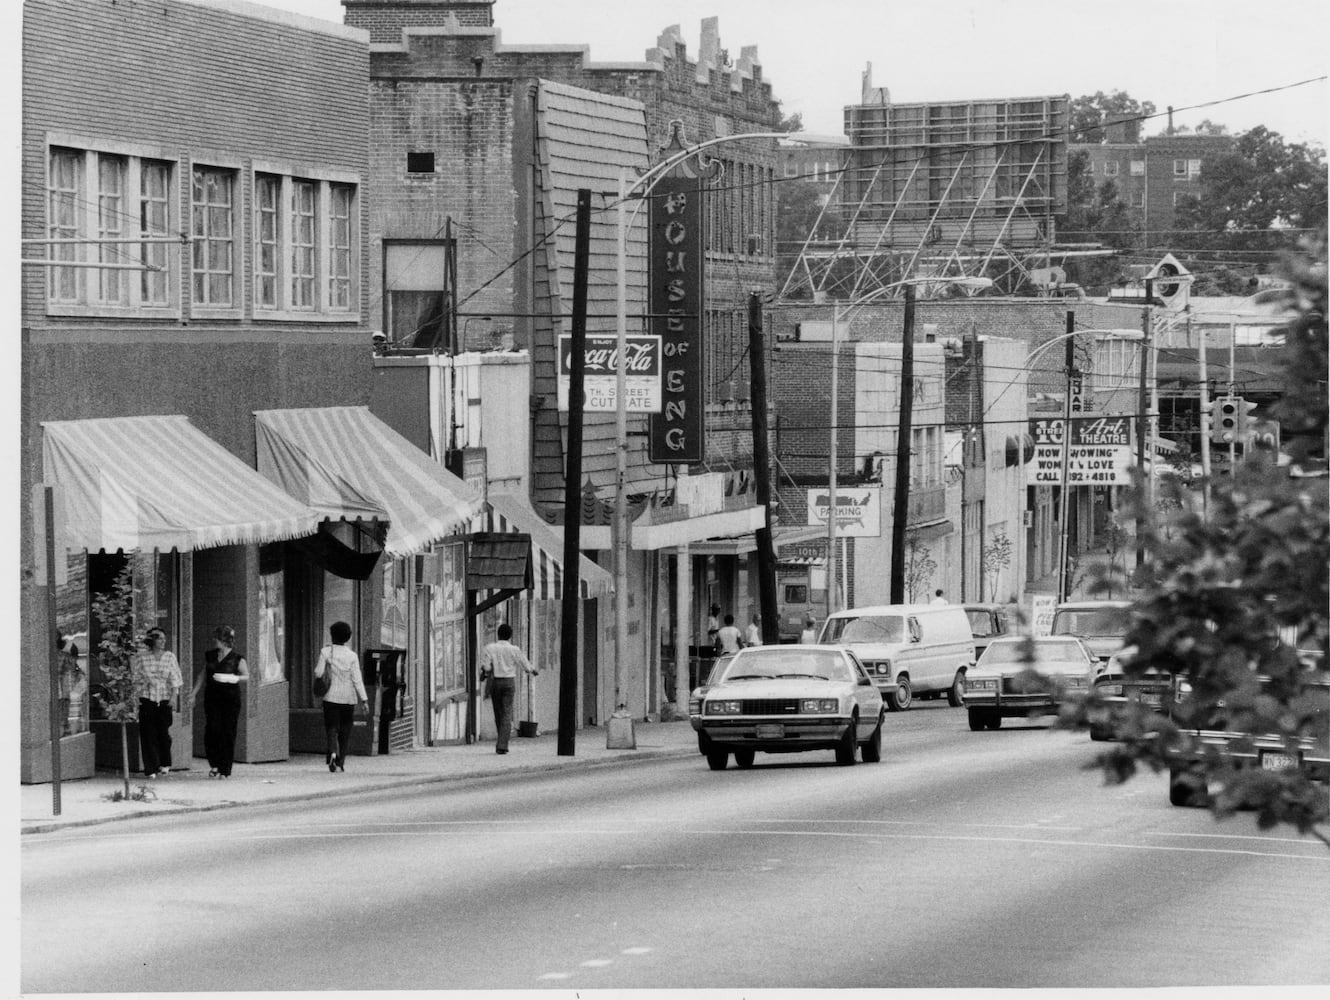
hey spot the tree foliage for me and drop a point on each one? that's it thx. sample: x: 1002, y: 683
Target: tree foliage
x: 1264, y: 184
x: 114, y: 611
x: 919, y: 569
x: 1095, y: 215
x: 995, y: 557
x: 1236, y: 602
x: 1090, y: 113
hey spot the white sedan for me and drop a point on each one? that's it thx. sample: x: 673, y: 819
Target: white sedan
x: 1023, y: 676
x: 785, y: 699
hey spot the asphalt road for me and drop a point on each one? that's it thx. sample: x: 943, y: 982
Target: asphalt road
x: 962, y: 860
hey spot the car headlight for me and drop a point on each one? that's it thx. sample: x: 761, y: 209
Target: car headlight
x: 1111, y: 689
x: 981, y: 684
x: 721, y: 708
x: 881, y: 668
x: 818, y: 706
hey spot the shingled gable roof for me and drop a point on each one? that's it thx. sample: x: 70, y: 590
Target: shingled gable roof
x: 583, y: 140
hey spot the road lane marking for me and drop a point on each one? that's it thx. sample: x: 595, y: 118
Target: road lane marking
x: 686, y: 831
x: 557, y: 975
x: 1309, y: 840
x: 638, y: 950
x: 597, y: 963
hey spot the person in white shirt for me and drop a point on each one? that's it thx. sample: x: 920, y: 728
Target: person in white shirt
x: 500, y: 662
x: 938, y: 598
x: 754, y: 636
x: 808, y: 636
x: 345, y: 693
x: 728, y: 639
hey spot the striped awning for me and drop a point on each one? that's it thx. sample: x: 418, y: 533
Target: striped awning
x: 347, y: 463
x: 158, y: 482
x: 509, y: 512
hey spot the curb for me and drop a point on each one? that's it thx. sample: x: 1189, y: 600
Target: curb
x: 51, y: 826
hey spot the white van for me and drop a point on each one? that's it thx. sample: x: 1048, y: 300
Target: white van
x: 910, y: 650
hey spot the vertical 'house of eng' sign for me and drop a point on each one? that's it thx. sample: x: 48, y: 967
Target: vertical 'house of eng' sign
x: 677, y: 262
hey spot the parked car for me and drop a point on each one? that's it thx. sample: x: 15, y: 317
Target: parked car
x: 908, y: 649
x: 788, y: 699
x: 1216, y: 740
x: 1005, y: 683
x: 988, y: 621
x: 1102, y: 624
x: 1114, y: 688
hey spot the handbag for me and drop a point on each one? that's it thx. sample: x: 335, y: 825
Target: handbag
x: 322, y: 684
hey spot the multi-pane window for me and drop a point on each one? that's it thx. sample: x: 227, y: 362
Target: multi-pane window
x: 100, y: 205
x: 304, y: 244
x: 64, y: 215
x: 111, y: 286
x: 340, y: 254
x: 154, y: 220
x: 267, y: 202
x: 1138, y: 168
x: 305, y: 240
x: 214, y: 237
x: 1138, y: 199
x: 1179, y: 168
x: 1110, y: 168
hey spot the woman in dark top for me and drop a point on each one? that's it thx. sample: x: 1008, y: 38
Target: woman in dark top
x: 224, y: 670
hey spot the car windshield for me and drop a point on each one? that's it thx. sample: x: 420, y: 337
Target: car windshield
x: 981, y: 624
x: 1098, y: 623
x: 1044, y: 649
x: 793, y: 662
x: 867, y: 628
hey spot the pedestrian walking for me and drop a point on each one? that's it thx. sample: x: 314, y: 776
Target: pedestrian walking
x: 157, y: 681
x: 937, y: 597
x: 224, y: 670
x: 754, y: 636
x: 713, y: 625
x: 809, y: 635
x: 728, y: 639
x: 499, y: 662
x: 73, y: 685
x: 346, y: 691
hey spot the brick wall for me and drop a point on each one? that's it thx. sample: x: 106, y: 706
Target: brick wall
x: 385, y: 19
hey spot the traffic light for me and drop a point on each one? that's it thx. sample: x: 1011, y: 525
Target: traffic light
x: 1224, y: 428
x: 1265, y: 434
x: 1246, y: 421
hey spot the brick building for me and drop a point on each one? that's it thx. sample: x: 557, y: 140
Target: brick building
x: 478, y: 150
x: 1152, y: 176
x: 161, y: 350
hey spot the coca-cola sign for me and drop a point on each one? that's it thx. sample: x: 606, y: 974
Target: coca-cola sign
x: 600, y: 380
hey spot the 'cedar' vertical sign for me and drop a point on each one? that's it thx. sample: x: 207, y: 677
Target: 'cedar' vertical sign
x: 677, y: 262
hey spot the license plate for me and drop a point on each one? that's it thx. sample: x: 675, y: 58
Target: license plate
x: 774, y: 731
x: 1278, y: 761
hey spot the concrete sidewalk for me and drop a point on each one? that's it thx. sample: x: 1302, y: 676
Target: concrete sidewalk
x: 305, y: 776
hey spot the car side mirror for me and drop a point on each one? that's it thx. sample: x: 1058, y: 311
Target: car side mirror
x: 865, y: 682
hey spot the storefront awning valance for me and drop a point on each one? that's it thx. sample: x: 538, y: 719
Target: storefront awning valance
x: 509, y: 512
x: 347, y: 463
x: 158, y: 482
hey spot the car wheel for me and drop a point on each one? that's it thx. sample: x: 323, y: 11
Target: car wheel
x: 900, y: 698
x: 845, y: 751
x: 717, y: 759
x: 703, y: 743
x: 872, y: 749
x: 956, y: 696
x: 1100, y: 733
x: 978, y: 720
x: 1184, y: 790
x: 994, y: 719
x: 745, y: 758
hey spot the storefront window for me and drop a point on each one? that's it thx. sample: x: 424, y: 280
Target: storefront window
x: 393, y: 630
x: 71, y: 616
x: 272, y: 629
x: 339, y: 594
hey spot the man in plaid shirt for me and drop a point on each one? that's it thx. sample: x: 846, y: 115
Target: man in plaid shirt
x: 157, y: 680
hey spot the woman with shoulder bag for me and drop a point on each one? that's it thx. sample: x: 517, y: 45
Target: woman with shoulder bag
x: 346, y: 690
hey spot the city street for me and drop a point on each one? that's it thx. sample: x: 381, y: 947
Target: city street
x: 962, y: 860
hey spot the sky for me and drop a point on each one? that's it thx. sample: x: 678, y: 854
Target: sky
x: 1184, y: 54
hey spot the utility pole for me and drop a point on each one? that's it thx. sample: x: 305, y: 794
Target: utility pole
x: 1065, y: 493
x: 1142, y: 419
x: 901, y: 503
x: 572, y: 484
x: 766, y: 553
x: 1204, y: 375
x: 831, y: 467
